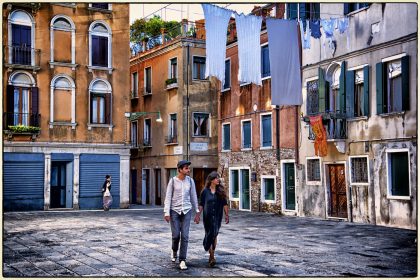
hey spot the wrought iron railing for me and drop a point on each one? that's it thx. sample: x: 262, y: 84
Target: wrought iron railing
x: 335, y: 124
x: 25, y: 119
x: 22, y: 55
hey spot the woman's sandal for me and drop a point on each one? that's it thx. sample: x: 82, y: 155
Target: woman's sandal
x: 212, y: 262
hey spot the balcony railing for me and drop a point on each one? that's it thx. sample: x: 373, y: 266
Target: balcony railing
x: 21, y: 56
x: 25, y: 119
x: 335, y: 125
x: 171, y: 139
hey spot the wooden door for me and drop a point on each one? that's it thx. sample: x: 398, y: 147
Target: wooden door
x: 338, y: 194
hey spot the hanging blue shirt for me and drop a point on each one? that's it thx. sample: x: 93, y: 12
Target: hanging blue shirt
x: 343, y: 24
x: 306, y: 36
x: 315, y: 29
x: 328, y: 25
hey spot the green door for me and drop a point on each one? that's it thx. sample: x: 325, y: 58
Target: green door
x: 245, y: 199
x: 289, y: 174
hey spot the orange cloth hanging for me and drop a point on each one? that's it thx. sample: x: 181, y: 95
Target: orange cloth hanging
x: 320, y: 135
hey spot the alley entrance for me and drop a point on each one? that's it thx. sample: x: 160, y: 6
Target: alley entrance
x: 338, y: 194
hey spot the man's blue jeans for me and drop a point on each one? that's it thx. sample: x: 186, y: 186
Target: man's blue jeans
x: 180, y: 227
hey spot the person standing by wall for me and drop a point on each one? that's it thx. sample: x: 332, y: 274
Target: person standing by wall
x: 181, y: 197
x: 212, y: 203
x: 106, y: 193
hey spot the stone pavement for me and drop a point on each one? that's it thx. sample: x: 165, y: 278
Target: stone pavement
x: 136, y: 242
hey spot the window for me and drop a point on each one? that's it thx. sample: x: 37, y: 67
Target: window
x: 62, y: 34
x: 100, y: 45
x: 335, y: 91
x: 265, y: 62
x: 312, y: 97
x: 172, y: 172
x: 134, y: 142
x: 357, y: 92
x: 398, y: 171
x: 103, y: 6
x: 148, y: 80
x: 100, y: 102
x: 351, y: 7
x: 266, y: 138
x: 226, y: 137
x: 313, y: 170
x: 239, y: 186
x: 392, y: 78
x: 359, y: 169
x: 172, y: 129
x: 246, y: 134
x: 201, y: 124
x: 302, y: 11
x: 22, y: 100
x: 226, y: 84
x: 134, y: 84
x: 199, y: 67
x: 268, y: 190
x: 63, y: 91
x: 20, y: 41
x: 172, y: 68
x: 147, y: 132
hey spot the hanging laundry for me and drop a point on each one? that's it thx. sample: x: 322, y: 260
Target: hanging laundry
x: 285, y: 64
x: 315, y: 29
x: 343, y: 24
x: 217, y: 20
x: 328, y: 25
x: 305, y: 36
x: 249, y: 48
x: 320, y: 143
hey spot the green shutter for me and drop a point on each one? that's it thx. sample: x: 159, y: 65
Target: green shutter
x: 349, y: 94
x: 366, y: 84
x: 405, y: 80
x: 342, y: 99
x: 379, y: 88
x: 321, y: 91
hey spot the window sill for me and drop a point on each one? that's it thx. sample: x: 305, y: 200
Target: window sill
x: 63, y: 64
x: 134, y: 97
x: 393, y: 114
x: 357, y: 11
x: 234, y: 199
x: 246, y: 149
x: 265, y: 78
x: 97, y: 125
x: 73, y: 5
x: 313, y: 183
x: 269, y: 201
x: 242, y: 85
x: 399, y: 197
x: 171, y: 86
x: 100, y: 68
x: 226, y: 151
x: 225, y: 90
x: 73, y: 125
x: 200, y: 136
x: 200, y: 80
x: 266, y: 148
x: 171, y: 144
x: 359, y: 184
x: 147, y: 93
x: 362, y: 118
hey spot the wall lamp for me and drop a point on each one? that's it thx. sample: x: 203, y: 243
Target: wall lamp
x: 132, y: 116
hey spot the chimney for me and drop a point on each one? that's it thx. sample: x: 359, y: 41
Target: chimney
x: 184, y: 27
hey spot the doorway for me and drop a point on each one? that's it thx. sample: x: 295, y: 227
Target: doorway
x: 134, y: 186
x: 200, y: 176
x: 61, y: 185
x: 158, y: 187
x: 245, y: 195
x: 145, y: 186
x: 338, y: 193
x: 289, y: 185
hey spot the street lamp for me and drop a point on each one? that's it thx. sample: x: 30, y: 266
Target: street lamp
x: 132, y: 116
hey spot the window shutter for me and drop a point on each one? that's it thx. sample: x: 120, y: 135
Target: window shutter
x: 34, y: 106
x: 247, y: 134
x: 10, y: 104
x: 302, y: 11
x: 349, y: 94
x: 108, y: 108
x: 103, y: 51
x: 379, y: 88
x: 321, y: 91
x: 405, y: 80
x: 342, y: 98
x: 266, y: 141
x: 366, y: 84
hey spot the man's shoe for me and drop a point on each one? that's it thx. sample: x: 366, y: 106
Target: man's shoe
x: 173, y: 256
x: 183, y: 265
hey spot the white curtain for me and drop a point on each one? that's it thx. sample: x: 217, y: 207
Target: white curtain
x: 16, y: 107
x: 25, y: 107
x: 249, y: 48
x: 102, y: 110
x: 94, y: 110
x: 217, y: 20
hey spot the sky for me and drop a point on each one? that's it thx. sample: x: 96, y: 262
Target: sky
x: 177, y: 11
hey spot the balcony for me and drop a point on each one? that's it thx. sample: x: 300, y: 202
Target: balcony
x: 335, y: 125
x: 171, y: 139
x: 24, y: 124
x: 22, y: 57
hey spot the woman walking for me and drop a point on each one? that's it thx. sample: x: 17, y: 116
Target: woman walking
x: 106, y: 193
x: 212, y: 203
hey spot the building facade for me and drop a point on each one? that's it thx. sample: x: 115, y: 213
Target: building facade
x: 66, y: 85
x: 257, y: 141
x: 168, y: 82
x: 364, y: 85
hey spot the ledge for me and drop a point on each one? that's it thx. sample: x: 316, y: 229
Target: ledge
x: 393, y: 114
x: 73, y: 125
x: 11, y: 66
x: 105, y: 11
x: 109, y: 126
x: 11, y: 134
x: 63, y: 64
x: 171, y: 144
x: 172, y: 86
x: 100, y: 68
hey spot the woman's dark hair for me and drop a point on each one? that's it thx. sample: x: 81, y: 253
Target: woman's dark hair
x: 220, y: 190
x: 107, y: 176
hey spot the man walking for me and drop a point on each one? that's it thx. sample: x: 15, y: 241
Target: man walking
x: 181, y: 197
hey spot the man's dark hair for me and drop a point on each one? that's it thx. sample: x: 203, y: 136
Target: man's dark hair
x: 107, y: 176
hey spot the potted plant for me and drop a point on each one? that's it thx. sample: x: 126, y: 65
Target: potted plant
x: 171, y: 82
x: 24, y: 129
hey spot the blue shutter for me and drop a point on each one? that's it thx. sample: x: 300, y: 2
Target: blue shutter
x: 349, y: 94
x: 366, y: 99
x: 380, y: 88
x: 322, y: 91
x: 405, y: 80
x: 265, y: 62
x: 227, y: 74
x: 93, y: 168
x: 266, y: 131
x: 23, y: 181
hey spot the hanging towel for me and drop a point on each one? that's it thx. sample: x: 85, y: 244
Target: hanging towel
x: 249, y: 48
x: 305, y: 36
x: 286, y: 88
x: 343, y: 24
x: 328, y: 25
x: 217, y: 20
x: 315, y: 29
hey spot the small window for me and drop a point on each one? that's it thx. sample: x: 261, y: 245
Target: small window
x: 172, y: 129
x: 100, y: 45
x: 134, y: 84
x: 147, y: 133
x: 201, y: 124
x: 394, y: 86
x: 266, y: 138
x: 302, y: 11
x: 148, y: 80
x: 359, y: 170
x: 358, y: 93
x: 234, y: 184
x: 103, y: 6
x: 226, y: 137
x: 100, y: 102
x: 134, y: 141
x: 351, y: 7
x: 173, y: 68
x: 226, y: 85
x: 97, y: 103
x: 313, y: 173
x: 246, y: 135
x: 265, y: 62
x: 268, y: 189
x: 398, y: 173
x: 312, y: 97
x: 199, y: 67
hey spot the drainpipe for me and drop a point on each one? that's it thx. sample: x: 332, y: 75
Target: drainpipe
x: 351, y: 204
x: 278, y: 131
x: 188, y: 102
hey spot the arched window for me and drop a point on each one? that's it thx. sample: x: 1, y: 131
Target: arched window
x: 100, y: 102
x: 62, y: 93
x: 21, y: 38
x: 62, y: 34
x: 22, y: 100
x: 100, y: 45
